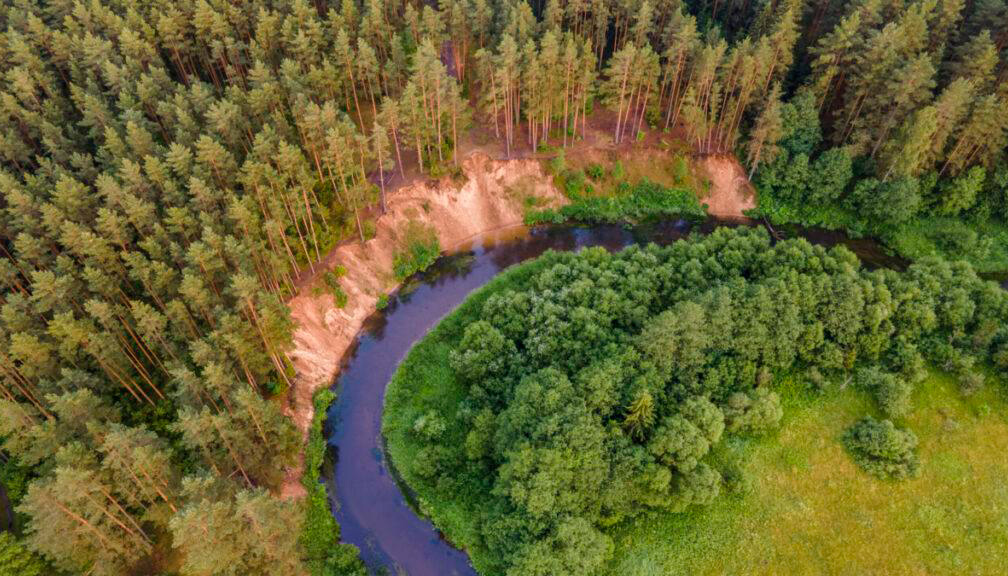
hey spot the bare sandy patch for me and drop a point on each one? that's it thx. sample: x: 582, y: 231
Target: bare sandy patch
x: 730, y: 192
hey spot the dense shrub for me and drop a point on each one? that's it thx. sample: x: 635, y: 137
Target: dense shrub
x: 421, y: 250
x: 885, y: 204
x: 344, y: 560
x: 960, y: 193
x: 800, y: 117
x: 320, y: 536
x: 678, y: 443
x: 430, y: 425
x: 755, y: 412
x: 831, y: 173
x: 595, y: 171
x: 916, y: 208
x: 735, y: 477
x: 617, y: 172
x: 558, y: 164
x: 891, y: 391
x: 882, y: 449
x: 329, y: 282
x: 646, y: 200
x: 18, y: 560
x: 483, y: 351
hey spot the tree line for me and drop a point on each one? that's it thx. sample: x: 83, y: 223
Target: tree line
x: 828, y: 104
x: 897, y: 112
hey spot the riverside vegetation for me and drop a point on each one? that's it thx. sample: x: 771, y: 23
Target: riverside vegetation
x: 580, y: 392
x: 171, y: 172
x: 600, y: 196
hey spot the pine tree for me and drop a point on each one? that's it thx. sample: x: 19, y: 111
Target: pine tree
x: 980, y: 137
x: 951, y: 108
x: 782, y: 39
x: 80, y: 525
x: 380, y: 148
x: 832, y: 57
x: 140, y: 463
x: 767, y: 131
x: 618, y: 86
x: 911, y: 87
x: 908, y: 149
x: 976, y: 60
x: 507, y: 75
x: 949, y: 14
x: 221, y: 531
x: 643, y: 24
x: 640, y: 415
x: 681, y: 44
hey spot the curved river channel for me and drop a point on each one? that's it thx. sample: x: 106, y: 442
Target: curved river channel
x: 372, y: 511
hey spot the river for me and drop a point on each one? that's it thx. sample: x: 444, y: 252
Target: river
x: 6, y: 511
x: 373, y: 513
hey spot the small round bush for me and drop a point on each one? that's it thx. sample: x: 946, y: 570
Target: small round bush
x: 883, y: 450
x: 971, y: 382
x: 892, y: 392
x: 482, y: 352
x: 430, y: 425
x: 756, y: 412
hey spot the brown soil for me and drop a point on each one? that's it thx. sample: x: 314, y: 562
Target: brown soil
x: 730, y: 192
x: 492, y: 196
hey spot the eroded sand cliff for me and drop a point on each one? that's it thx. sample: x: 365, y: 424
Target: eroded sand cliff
x: 491, y: 196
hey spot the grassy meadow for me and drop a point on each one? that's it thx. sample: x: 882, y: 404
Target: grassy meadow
x: 810, y: 510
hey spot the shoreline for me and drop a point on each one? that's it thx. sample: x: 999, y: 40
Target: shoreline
x: 458, y: 211
x: 325, y: 335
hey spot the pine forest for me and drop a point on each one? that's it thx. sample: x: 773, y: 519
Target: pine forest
x: 175, y: 173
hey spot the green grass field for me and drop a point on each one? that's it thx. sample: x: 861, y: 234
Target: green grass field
x: 809, y: 509
x: 812, y: 511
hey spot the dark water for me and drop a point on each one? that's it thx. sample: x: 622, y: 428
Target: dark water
x: 6, y: 512
x: 371, y: 509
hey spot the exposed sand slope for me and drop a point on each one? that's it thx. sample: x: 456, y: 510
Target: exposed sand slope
x: 730, y: 191
x: 491, y: 197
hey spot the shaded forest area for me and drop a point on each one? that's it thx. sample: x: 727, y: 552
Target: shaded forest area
x: 168, y: 169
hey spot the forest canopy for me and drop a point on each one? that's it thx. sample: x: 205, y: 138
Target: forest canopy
x: 586, y: 389
x: 170, y: 169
